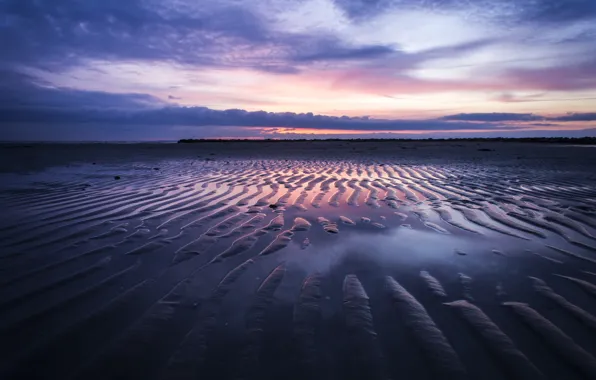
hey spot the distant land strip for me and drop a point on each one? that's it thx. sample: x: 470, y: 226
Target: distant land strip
x: 550, y: 140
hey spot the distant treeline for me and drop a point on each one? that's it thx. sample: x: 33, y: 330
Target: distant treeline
x: 551, y: 140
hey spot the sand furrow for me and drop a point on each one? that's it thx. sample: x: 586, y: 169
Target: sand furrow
x: 466, y: 285
x: 447, y: 216
x: 200, y: 206
x: 355, y: 194
x: 212, y: 213
x: 569, y: 223
x: 327, y: 225
x: 556, y: 339
x: 588, y: 287
x: 316, y: 202
x: 248, y: 362
x: 32, y: 272
x: 515, y: 363
x: 240, y: 245
x: 120, y: 359
x: 281, y: 241
x: 60, y: 353
x: 542, y: 224
x: 187, y: 360
x: 505, y: 220
x: 306, y: 316
x: 580, y: 314
x: 301, y: 224
x: 83, y: 228
x: 572, y: 254
x: 433, y: 284
x: 15, y: 301
x: 428, y: 336
x: 365, y: 355
x: 473, y: 217
x: 249, y: 225
x: 60, y: 304
x: 43, y: 230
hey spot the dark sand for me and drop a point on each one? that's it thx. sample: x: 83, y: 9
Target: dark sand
x: 298, y: 260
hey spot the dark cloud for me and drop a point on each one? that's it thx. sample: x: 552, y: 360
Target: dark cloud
x: 22, y: 93
x: 362, y: 9
x: 34, y: 103
x: 59, y: 33
x: 543, y: 125
x: 334, y: 51
x: 541, y: 12
x: 522, y: 117
x: 62, y: 32
x: 25, y: 100
x: 494, y: 117
x: 67, y: 114
x: 590, y: 116
x: 558, y: 10
x: 101, y: 132
x: 206, y: 117
x: 55, y: 98
x: 56, y: 34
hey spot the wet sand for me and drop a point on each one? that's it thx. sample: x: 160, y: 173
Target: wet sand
x: 298, y: 260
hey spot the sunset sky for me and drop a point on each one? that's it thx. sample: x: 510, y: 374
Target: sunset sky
x: 170, y: 69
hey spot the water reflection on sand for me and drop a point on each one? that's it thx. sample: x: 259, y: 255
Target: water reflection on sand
x: 297, y: 269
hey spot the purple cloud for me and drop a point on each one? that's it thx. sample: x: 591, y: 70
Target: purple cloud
x: 494, y: 117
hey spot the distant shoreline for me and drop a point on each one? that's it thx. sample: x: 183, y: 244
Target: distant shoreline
x: 550, y: 140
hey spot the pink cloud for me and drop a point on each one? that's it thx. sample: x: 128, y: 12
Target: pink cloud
x: 561, y: 78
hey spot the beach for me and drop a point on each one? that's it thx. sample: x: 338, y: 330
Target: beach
x: 298, y: 260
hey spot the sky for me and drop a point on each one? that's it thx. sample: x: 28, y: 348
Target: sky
x: 170, y: 69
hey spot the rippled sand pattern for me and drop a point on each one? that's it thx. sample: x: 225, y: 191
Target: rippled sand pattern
x: 298, y: 269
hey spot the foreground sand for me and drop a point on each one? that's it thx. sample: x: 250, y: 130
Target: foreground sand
x: 334, y: 260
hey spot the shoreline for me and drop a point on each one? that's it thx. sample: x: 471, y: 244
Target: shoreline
x: 32, y: 157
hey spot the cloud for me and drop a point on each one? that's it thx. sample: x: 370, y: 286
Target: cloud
x: 385, y: 79
x: 25, y: 100
x: 590, y: 116
x: 61, y: 33
x: 534, y: 11
x: 66, y: 114
x: 494, y: 117
x: 206, y: 117
x: 36, y: 103
x: 329, y: 51
x: 64, y: 32
x: 523, y: 117
x: 543, y: 125
x: 558, y: 11
x: 578, y: 76
x: 102, y: 132
x: 23, y: 93
x: 541, y: 97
